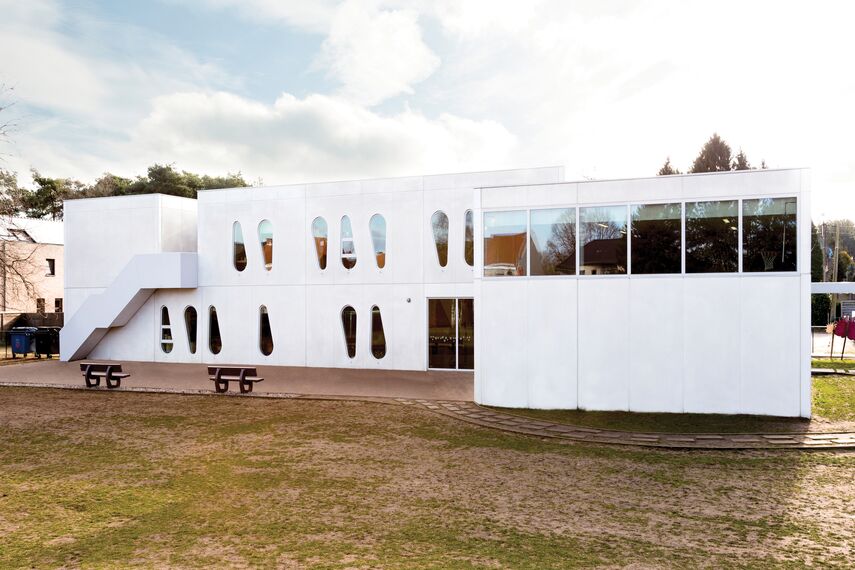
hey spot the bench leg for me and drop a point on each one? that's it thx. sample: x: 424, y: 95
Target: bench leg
x: 245, y: 387
x: 91, y: 381
x: 221, y: 386
x: 113, y: 382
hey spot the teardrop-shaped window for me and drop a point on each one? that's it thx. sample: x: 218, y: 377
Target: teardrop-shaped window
x: 239, y: 247
x: 348, y: 249
x: 348, y: 322
x: 190, y: 325
x: 265, y: 336
x: 378, y: 337
x: 319, y: 234
x: 265, y: 236
x: 165, y: 331
x: 215, y: 343
x: 377, y: 226
x: 469, y: 239
x: 439, y: 223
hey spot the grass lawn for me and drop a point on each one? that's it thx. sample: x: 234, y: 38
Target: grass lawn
x: 833, y: 363
x: 108, y: 480
x: 833, y: 410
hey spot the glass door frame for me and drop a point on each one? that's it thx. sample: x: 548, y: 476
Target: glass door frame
x: 456, y: 313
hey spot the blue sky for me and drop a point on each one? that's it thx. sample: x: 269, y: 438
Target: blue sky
x: 289, y: 91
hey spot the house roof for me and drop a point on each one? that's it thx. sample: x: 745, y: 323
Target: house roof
x: 31, y: 230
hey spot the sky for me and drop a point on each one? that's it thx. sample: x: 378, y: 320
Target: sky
x: 287, y: 92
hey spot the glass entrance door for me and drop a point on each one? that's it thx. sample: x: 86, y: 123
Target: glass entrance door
x: 451, y: 334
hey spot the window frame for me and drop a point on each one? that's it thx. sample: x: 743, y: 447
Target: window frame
x: 527, y: 211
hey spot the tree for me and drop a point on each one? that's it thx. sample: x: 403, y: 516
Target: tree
x: 46, y: 199
x: 667, y: 169
x: 165, y: 179
x: 6, y: 123
x: 740, y: 162
x: 715, y: 156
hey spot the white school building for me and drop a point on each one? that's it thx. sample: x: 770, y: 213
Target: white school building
x: 686, y: 293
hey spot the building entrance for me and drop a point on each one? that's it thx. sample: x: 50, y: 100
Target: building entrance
x: 451, y: 334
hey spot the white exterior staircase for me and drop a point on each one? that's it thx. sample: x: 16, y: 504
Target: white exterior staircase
x: 115, y: 306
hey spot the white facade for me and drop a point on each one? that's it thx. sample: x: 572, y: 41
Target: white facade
x: 733, y: 342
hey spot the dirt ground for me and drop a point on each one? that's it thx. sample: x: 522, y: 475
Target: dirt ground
x: 121, y: 479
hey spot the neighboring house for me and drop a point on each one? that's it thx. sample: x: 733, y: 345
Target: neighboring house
x: 31, y: 252
x: 700, y: 301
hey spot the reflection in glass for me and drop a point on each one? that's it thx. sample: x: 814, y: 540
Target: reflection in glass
x: 769, y: 234
x: 439, y: 223
x: 378, y: 336
x: 348, y: 322
x: 602, y: 240
x: 319, y: 234
x: 712, y: 237
x: 165, y: 331
x: 553, y: 241
x: 466, y: 334
x: 504, y: 243
x: 377, y: 227
x: 265, y: 236
x: 190, y: 325
x: 215, y: 343
x: 442, y: 334
x: 239, y: 247
x: 656, y: 238
x: 348, y: 249
x: 265, y: 336
x: 469, y: 239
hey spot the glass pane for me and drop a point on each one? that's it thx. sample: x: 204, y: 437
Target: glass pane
x: 265, y: 236
x: 656, y: 238
x: 378, y: 336
x: 239, y: 247
x: 319, y: 233
x: 190, y: 325
x: 439, y: 223
x: 712, y: 237
x: 348, y: 321
x: 377, y: 227
x: 466, y: 334
x: 265, y: 336
x: 469, y: 239
x: 504, y: 243
x: 602, y: 240
x: 441, y: 334
x: 165, y: 331
x: 769, y: 234
x: 215, y: 343
x: 553, y: 241
x: 348, y: 250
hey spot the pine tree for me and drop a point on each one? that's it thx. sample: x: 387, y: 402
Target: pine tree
x: 715, y: 156
x: 740, y: 162
x: 667, y: 169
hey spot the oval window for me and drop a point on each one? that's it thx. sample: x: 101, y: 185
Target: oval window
x: 265, y: 336
x: 377, y: 226
x: 239, y: 247
x: 265, y: 236
x: 378, y: 337
x: 190, y: 325
x: 348, y: 250
x: 348, y: 322
x: 469, y: 239
x: 319, y: 234
x: 439, y: 223
x: 165, y: 331
x: 215, y: 343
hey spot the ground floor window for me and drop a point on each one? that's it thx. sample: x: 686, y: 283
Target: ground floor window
x: 451, y: 334
x: 348, y: 323
x: 215, y: 342
x: 165, y: 331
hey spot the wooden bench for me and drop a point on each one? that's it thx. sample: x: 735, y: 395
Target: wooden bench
x: 244, y: 376
x: 94, y: 371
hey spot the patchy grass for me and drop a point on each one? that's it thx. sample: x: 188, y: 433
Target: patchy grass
x: 847, y: 364
x: 111, y: 480
x: 833, y: 409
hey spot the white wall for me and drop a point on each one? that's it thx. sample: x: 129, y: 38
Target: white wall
x: 659, y: 343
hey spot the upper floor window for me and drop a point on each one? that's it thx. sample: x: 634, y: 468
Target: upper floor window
x: 377, y: 227
x: 553, y: 241
x: 505, y: 251
x: 57, y: 305
x: 215, y: 342
x: 769, y: 234
x: 190, y: 325
x: 165, y: 331
x: 712, y: 237
x: 348, y: 323
x: 469, y: 238
x: 602, y: 240
x: 657, y: 238
x: 319, y: 235
x: 51, y: 266
x: 265, y: 335
x: 348, y: 249
x: 439, y: 223
x: 239, y: 247
x: 265, y: 236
